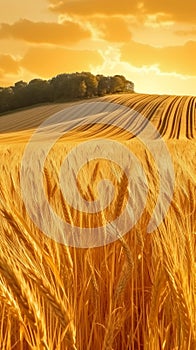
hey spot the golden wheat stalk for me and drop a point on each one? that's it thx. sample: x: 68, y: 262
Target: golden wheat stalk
x: 31, y: 242
x: 188, y: 326
x: 59, y: 306
x: 26, y: 301
x: 127, y: 270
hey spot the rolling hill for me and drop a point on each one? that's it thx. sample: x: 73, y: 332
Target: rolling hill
x: 96, y: 279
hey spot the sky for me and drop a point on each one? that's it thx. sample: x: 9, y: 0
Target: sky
x: 150, y: 42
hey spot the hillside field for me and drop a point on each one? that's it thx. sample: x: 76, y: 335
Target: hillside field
x: 138, y: 290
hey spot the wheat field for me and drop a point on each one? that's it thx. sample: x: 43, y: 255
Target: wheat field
x: 137, y: 292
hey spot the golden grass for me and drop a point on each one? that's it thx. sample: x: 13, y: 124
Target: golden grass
x: 138, y: 292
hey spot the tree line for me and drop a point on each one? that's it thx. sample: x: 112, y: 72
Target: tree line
x: 63, y: 87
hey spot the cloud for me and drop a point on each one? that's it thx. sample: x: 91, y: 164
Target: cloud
x: 179, y: 59
x: 93, y: 7
x: 183, y: 11
x: 179, y: 11
x: 11, y: 11
x: 40, y: 32
x: 112, y: 29
x: 47, y: 62
x: 8, y: 65
x: 149, y: 79
x: 9, y: 69
x: 184, y: 33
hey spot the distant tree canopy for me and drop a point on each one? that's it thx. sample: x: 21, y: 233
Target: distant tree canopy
x: 63, y: 87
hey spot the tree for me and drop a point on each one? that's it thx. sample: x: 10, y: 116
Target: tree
x: 6, y: 99
x: 63, y: 87
x: 82, y: 87
x: 118, y: 84
x: 103, y: 85
x: 91, y: 84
